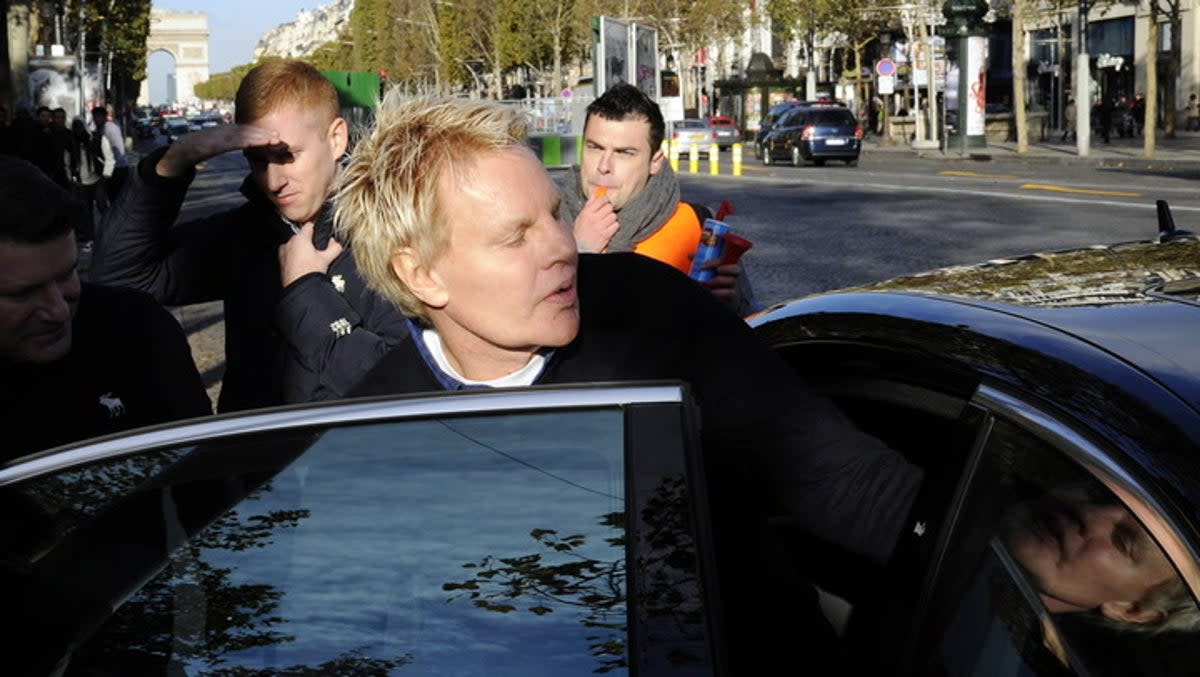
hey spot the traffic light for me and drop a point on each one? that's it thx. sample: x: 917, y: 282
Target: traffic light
x: 382, y: 81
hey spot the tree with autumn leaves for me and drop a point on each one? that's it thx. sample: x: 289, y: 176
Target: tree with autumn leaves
x: 114, y: 33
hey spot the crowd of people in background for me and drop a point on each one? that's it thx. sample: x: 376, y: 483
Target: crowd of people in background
x: 86, y: 156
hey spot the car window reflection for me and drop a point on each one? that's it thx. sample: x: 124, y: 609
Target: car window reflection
x: 488, y: 545
x: 1052, y: 572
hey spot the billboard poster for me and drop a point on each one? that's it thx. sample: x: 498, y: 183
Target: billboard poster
x: 613, y: 53
x: 646, y: 60
x: 54, y: 83
x: 975, y: 71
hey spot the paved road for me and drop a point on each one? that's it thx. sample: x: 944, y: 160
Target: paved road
x: 823, y: 228
x: 898, y: 212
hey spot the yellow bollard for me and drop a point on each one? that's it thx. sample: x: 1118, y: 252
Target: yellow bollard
x: 674, y: 156
x: 714, y: 159
x: 693, y: 159
x: 737, y: 159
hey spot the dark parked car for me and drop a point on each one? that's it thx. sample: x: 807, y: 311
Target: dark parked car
x: 1052, y: 400
x: 814, y: 133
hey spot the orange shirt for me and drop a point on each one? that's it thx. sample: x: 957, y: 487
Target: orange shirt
x: 675, y: 241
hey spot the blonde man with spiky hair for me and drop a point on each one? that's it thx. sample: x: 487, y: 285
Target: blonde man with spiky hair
x: 452, y: 218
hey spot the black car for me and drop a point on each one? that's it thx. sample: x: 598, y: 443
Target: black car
x: 1054, y: 402
x: 565, y: 530
x: 814, y: 133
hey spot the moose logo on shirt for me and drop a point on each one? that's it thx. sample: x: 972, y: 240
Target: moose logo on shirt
x: 113, y: 403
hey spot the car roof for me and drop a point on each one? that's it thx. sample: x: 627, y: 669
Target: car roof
x: 1128, y: 299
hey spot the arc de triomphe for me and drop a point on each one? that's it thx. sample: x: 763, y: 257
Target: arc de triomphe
x: 183, y: 35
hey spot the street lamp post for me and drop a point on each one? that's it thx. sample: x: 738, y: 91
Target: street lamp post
x: 1083, y: 89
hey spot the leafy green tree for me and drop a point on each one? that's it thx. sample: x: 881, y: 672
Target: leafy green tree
x: 853, y: 24
x: 114, y: 33
x: 335, y: 55
x: 224, y: 86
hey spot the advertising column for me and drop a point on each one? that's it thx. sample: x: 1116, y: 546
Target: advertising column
x: 965, y: 22
x: 973, y: 91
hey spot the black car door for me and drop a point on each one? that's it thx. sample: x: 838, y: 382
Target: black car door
x: 531, y: 531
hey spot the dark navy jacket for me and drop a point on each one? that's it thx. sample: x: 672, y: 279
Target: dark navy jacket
x: 308, y: 342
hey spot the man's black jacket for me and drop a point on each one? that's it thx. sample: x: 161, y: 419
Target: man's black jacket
x: 771, y: 446
x: 129, y: 366
x: 311, y: 341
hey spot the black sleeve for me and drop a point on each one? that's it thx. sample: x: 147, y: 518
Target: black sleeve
x: 138, y: 247
x: 335, y: 330
x: 168, y: 358
x: 812, y: 466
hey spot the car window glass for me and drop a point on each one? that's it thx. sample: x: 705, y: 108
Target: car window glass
x: 1048, y: 572
x: 466, y: 545
x: 832, y: 117
x: 792, y: 118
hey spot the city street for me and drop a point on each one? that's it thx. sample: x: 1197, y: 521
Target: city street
x: 820, y: 228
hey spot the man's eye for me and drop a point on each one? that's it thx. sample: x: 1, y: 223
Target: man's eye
x: 1125, y: 538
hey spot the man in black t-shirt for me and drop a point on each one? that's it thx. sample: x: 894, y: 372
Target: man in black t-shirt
x: 76, y: 360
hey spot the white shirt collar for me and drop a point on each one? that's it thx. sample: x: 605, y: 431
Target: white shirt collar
x: 524, y: 376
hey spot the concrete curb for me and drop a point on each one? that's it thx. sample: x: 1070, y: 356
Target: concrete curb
x: 1178, y: 154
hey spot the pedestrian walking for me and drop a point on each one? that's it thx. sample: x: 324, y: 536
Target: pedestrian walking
x: 91, y: 162
x: 1192, y: 122
x: 1069, y: 121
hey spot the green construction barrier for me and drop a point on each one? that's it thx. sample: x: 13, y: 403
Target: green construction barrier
x: 556, y: 150
x: 355, y: 89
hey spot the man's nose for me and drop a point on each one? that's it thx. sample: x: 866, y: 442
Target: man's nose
x: 561, y: 244
x: 1099, y: 518
x: 604, y: 163
x: 54, y: 303
x: 276, y: 178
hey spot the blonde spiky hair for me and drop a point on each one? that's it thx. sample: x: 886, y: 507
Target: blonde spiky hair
x: 387, y: 196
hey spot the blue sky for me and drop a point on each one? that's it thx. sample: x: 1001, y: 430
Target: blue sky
x: 234, y: 28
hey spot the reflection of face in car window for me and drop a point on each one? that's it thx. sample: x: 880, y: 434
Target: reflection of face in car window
x: 1089, y: 554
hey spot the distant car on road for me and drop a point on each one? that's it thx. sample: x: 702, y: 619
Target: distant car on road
x: 726, y: 130
x: 198, y: 122
x: 768, y: 123
x: 145, y: 127
x: 814, y: 133
x: 690, y: 133
x: 175, y: 127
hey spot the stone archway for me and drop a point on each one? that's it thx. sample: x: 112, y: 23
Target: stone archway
x: 183, y: 35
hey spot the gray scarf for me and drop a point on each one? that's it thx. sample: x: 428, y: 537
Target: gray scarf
x: 639, y: 219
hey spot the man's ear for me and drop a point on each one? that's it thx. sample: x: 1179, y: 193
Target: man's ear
x: 419, y: 278
x: 339, y: 136
x: 656, y: 161
x: 1132, y: 612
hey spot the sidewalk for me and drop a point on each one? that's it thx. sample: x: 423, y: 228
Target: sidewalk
x: 1182, y: 152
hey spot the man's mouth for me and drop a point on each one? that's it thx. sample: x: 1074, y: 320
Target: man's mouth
x: 51, y: 334
x: 565, y: 294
